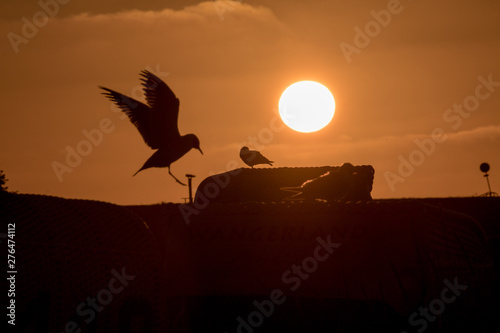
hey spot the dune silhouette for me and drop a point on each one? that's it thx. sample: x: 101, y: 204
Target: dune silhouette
x: 156, y: 122
x: 253, y: 157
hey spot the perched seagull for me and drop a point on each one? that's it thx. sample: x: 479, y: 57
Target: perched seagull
x: 157, y: 122
x: 253, y: 157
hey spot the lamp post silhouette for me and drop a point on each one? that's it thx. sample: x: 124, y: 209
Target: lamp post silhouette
x: 485, y: 167
x: 190, y: 177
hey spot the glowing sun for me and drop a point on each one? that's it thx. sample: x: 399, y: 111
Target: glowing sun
x: 306, y: 106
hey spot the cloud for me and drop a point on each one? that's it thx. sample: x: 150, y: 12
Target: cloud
x: 195, y: 40
x: 14, y: 10
x: 484, y: 133
x: 202, y: 12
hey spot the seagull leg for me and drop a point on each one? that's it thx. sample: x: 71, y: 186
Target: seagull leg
x: 177, y: 180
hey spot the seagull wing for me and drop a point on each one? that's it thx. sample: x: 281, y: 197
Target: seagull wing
x: 164, y: 107
x: 138, y: 113
x: 261, y: 159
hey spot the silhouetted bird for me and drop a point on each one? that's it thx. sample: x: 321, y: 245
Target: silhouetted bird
x: 253, y: 157
x: 157, y: 122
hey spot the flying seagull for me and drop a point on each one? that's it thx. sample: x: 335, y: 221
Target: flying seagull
x: 253, y: 157
x: 156, y: 121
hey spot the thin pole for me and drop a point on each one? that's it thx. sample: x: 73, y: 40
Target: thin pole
x: 489, y: 187
x: 190, y: 177
x: 191, y: 190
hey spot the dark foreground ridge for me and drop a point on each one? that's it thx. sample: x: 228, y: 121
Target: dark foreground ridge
x: 371, y: 266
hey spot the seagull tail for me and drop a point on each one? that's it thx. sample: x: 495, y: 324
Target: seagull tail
x: 152, y: 162
x: 145, y: 166
x: 137, y: 172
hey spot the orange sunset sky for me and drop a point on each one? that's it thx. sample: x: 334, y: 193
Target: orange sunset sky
x: 404, y: 74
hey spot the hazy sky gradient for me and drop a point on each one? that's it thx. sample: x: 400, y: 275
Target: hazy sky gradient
x: 228, y: 63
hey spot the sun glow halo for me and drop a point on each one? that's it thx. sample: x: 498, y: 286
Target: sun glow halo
x: 306, y: 106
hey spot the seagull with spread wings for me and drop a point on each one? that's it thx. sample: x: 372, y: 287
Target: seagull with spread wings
x: 157, y: 122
